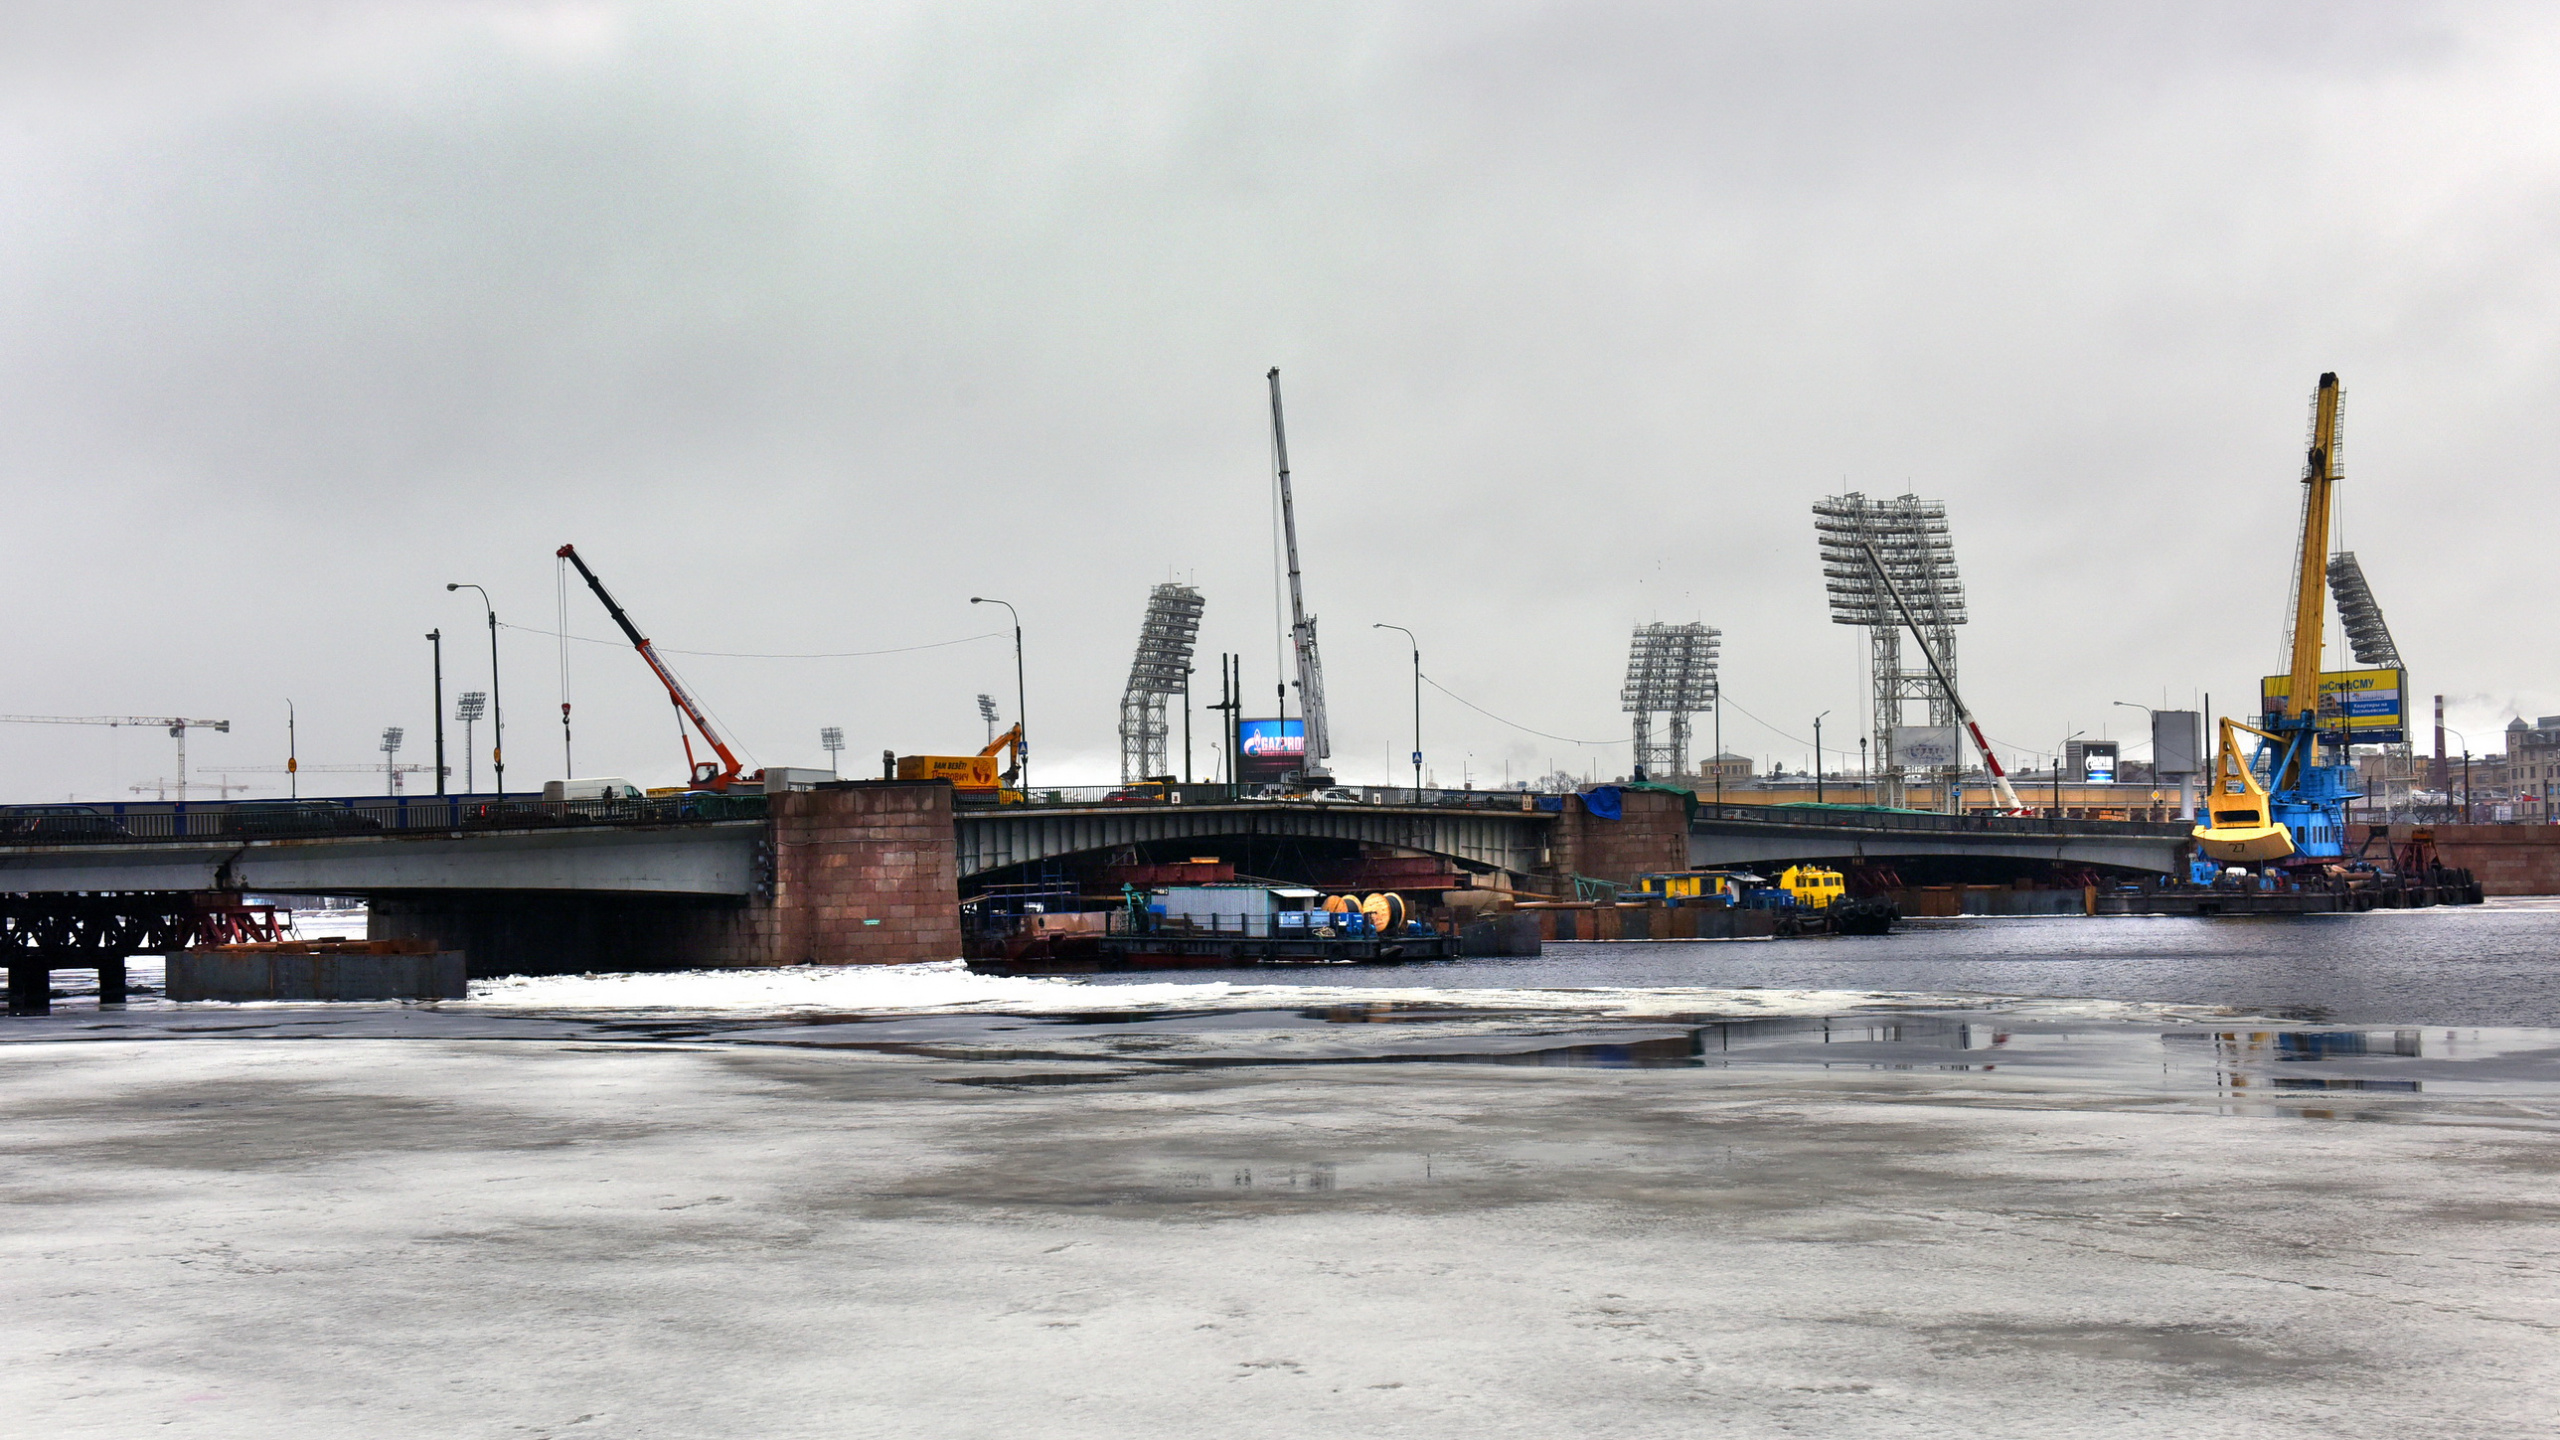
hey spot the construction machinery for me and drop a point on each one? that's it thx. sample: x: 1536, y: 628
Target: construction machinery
x: 2006, y: 795
x: 720, y: 775
x: 974, y: 778
x: 2284, y: 803
x: 1302, y: 626
x: 176, y: 727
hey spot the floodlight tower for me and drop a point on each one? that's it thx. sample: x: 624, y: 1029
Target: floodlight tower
x: 1671, y: 672
x: 1909, y: 537
x: 1162, y: 668
x: 831, y: 739
x: 987, y: 712
x: 391, y: 739
x: 468, y: 707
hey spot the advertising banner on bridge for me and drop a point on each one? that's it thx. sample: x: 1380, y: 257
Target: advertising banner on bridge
x: 1927, y: 747
x: 2362, y: 707
x: 1272, y: 750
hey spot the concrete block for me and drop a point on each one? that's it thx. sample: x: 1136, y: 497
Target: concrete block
x: 285, y: 975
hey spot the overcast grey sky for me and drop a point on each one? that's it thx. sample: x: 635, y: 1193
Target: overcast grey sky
x: 808, y: 322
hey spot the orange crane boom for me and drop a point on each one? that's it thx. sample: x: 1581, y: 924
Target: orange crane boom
x: 705, y: 773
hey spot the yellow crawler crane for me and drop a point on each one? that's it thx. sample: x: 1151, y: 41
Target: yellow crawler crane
x: 2240, y: 827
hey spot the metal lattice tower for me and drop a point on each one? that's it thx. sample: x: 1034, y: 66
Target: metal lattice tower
x: 1162, y: 668
x: 1671, y: 672
x: 2361, y: 614
x: 1911, y: 536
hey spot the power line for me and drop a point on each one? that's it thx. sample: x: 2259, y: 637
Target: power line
x: 743, y: 655
x: 1514, y: 724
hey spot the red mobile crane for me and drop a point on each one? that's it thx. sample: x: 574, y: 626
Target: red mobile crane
x: 705, y: 774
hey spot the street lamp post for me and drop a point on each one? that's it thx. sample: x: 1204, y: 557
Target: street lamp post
x: 435, y: 638
x: 1417, y: 703
x: 1021, y: 697
x: 1817, y: 757
x: 497, y: 708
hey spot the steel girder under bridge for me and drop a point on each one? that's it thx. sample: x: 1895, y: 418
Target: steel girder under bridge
x: 993, y: 840
x: 1744, y: 835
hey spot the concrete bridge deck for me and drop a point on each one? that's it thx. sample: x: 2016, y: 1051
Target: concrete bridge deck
x: 873, y: 870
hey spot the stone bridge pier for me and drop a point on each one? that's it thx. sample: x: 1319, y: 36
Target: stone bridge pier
x: 860, y: 873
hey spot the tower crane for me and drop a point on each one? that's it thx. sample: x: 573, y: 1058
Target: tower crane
x: 176, y: 727
x: 717, y: 775
x: 2300, y: 809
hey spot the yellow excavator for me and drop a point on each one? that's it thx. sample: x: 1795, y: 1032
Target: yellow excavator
x: 973, y: 777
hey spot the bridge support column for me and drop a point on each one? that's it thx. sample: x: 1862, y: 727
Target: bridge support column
x: 865, y: 874
x: 1651, y: 834
x: 30, y: 987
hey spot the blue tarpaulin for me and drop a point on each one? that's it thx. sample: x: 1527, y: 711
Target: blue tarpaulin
x: 1603, y: 801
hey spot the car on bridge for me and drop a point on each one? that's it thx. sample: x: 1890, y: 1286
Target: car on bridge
x: 36, y: 824
x: 296, y: 817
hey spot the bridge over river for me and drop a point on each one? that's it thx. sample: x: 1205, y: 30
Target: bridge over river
x: 873, y: 870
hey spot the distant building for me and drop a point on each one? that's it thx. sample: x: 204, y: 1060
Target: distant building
x: 2533, y: 766
x: 1727, y: 767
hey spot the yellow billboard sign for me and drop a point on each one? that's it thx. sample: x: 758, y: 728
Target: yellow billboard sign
x: 2363, y: 707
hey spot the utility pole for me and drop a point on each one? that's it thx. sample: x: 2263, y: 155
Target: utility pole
x: 1021, y: 698
x: 497, y: 707
x: 1417, y: 704
x: 1817, y: 757
x: 435, y: 638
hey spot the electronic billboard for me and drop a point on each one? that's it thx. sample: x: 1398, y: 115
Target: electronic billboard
x: 1270, y: 749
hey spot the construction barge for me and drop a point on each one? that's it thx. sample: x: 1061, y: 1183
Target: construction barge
x: 1215, y: 926
x: 2344, y: 895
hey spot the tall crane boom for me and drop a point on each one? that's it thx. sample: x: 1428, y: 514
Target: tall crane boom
x: 1302, y: 626
x: 2000, y: 786
x: 705, y: 773
x: 2311, y: 585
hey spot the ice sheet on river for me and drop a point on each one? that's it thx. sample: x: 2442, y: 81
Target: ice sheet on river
x: 950, y: 988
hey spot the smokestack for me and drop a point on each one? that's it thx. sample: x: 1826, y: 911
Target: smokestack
x: 2439, y: 776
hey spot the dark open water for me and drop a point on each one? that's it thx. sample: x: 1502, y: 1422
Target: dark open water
x: 2496, y: 964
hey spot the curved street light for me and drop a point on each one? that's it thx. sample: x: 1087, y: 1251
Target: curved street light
x: 1021, y: 717
x: 1417, y: 704
x: 497, y: 712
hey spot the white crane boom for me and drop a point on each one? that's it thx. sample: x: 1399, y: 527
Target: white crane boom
x: 1302, y: 626
x: 176, y: 726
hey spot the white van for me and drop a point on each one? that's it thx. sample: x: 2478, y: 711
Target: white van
x: 607, y: 787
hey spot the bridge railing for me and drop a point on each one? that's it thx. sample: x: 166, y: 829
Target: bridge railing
x: 319, y: 818
x: 1848, y: 818
x: 1404, y: 795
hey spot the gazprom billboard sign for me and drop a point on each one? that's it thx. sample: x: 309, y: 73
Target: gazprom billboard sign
x: 2361, y: 707
x: 1270, y: 749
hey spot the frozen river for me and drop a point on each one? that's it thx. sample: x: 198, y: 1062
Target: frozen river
x: 2013, y: 1178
